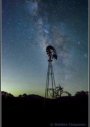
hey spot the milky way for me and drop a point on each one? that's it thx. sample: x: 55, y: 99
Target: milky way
x: 28, y: 26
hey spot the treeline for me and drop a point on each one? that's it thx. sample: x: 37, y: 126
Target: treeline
x: 9, y: 95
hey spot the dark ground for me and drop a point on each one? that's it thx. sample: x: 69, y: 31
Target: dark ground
x: 31, y: 111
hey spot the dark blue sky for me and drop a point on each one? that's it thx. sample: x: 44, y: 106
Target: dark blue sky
x: 28, y: 26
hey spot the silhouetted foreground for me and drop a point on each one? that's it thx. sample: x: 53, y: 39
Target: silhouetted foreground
x: 31, y: 112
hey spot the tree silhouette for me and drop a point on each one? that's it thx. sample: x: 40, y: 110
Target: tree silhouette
x: 24, y: 95
x: 81, y: 93
x: 59, y: 91
x: 6, y: 95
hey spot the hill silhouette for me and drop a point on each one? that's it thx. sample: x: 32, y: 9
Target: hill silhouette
x: 34, y: 110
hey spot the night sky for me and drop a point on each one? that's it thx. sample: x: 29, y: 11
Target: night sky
x: 28, y: 26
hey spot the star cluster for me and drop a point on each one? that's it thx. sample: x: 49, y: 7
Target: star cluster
x: 28, y: 26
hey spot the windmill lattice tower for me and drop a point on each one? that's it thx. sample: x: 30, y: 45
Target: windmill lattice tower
x: 50, y: 81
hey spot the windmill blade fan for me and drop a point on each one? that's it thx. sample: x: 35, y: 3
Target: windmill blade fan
x: 49, y: 47
x: 51, y: 50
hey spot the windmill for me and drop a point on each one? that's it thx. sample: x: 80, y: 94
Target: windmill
x: 50, y: 81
